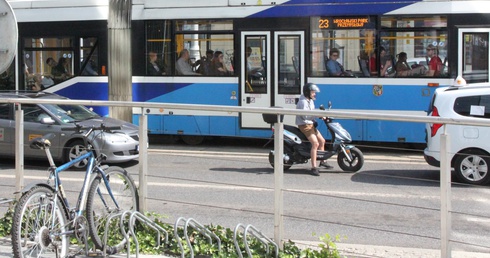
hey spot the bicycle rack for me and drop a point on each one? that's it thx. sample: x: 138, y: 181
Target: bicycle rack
x: 197, y: 226
x: 255, y: 233
x: 136, y: 215
x: 6, y: 200
x: 121, y: 224
x: 131, y: 217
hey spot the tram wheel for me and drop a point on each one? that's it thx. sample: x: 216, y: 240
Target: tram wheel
x: 192, y: 139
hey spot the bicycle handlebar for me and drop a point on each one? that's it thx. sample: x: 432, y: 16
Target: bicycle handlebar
x: 102, y: 127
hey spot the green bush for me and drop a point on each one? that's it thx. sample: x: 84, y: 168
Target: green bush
x: 201, y: 245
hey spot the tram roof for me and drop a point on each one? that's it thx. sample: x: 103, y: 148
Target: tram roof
x: 75, y: 10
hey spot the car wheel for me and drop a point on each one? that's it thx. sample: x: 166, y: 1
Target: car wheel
x: 472, y: 167
x: 73, y: 150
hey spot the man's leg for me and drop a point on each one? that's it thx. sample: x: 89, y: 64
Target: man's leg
x: 314, y: 147
x: 321, y: 142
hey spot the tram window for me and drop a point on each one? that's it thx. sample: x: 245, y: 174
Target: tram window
x: 353, y: 37
x: 37, y: 55
x: 255, y: 63
x: 7, y: 78
x: 434, y: 21
x: 475, y: 57
x: 203, y: 25
x: 200, y: 38
x: 423, y: 40
x: 289, y: 77
x: 89, y: 55
x: 158, y: 48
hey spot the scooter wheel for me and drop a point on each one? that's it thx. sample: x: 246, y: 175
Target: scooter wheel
x: 271, y: 161
x: 356, y: 163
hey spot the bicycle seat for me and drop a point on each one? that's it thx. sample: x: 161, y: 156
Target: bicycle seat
x: 41, y: 142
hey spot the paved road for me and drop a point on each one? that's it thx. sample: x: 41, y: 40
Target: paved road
x: 348, y: 249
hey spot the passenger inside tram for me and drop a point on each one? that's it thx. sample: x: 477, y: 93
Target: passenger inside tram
x: 434, y: 62
x: 404, y: 70
x: 182, y: 66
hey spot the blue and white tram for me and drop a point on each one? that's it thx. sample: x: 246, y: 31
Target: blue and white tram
x: 268, y: 50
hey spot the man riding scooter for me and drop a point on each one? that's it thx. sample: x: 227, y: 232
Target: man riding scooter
x: 307, y: 125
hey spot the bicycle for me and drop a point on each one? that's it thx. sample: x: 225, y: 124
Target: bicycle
x: 43, y: 220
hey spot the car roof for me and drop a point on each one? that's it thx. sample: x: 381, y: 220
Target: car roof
x: 466, y: 88
x: 29, y: 94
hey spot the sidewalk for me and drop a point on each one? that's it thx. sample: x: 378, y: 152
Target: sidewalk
x: 348, y: 250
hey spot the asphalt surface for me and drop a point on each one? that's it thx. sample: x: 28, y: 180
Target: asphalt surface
x: 347, y: 250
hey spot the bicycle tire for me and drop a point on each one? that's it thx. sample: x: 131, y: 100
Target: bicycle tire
x: 126, y: 195
x: 32, y: 233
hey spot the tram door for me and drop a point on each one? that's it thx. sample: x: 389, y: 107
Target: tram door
x: 288, y: 69
x: 272, y: 72
x: 474, y: 56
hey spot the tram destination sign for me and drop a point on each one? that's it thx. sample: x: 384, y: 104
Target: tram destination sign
x: 361, y: 22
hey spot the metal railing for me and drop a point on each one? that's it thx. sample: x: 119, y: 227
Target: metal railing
x: 445, y: 168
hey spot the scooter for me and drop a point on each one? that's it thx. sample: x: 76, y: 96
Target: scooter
x: 297, y: 147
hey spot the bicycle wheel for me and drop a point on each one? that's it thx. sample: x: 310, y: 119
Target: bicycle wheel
x: 39, y: 226
x: 100, y: 206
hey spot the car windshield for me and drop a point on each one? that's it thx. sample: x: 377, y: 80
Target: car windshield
x: 71, y: 113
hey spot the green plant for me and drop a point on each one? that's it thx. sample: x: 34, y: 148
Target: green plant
x: 148, y: 242
x: 6, y: 222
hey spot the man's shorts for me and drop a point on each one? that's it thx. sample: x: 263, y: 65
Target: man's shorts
x: 308, y: 129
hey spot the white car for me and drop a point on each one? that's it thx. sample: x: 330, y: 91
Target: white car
x: 470, y: 145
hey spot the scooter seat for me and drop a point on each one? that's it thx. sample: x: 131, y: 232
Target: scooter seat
x: 296, y: 131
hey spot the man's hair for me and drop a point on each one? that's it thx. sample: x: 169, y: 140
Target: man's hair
x: 182, y: 52
x: 49, y: 60
x: 334, y: 50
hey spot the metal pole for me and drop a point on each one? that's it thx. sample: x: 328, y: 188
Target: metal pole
x: 445, y: 195
x: 278, y: 182
x: 119, y: 55
x: 19, y: 150
x: 143, y: 160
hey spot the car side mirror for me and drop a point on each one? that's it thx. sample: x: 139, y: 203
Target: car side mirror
x: 47, y: 121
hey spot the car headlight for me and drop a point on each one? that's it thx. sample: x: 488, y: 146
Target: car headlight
x: 115, y: 138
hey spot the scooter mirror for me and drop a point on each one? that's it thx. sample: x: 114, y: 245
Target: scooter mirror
x: 329, y: 105
x: 322, y: 107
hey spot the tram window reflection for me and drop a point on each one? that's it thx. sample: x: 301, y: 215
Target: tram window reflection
x: 354, y: 44
x: 52, y: 58
x: 201, y: 37
x: 422, y: 39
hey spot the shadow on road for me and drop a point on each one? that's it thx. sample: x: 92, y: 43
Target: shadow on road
x: 427, y: 178
x: 258, y: 171
x: 39, y: 164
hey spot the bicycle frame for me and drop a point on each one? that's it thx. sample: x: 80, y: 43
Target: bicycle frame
x: 43, y: 215
x: 82, y: 197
